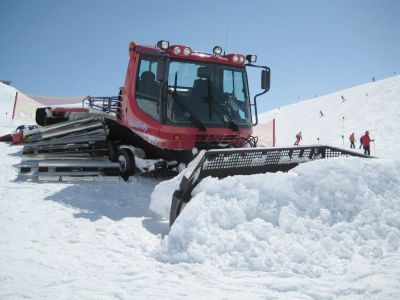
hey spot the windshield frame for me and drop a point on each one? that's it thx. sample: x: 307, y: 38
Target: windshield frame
x: 166, y: 92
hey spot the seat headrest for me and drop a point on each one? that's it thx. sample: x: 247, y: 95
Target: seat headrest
x: 204, y: 72
x: 148, y: 76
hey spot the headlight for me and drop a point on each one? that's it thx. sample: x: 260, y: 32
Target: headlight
x: 177, y: 50
x: 187, y: 51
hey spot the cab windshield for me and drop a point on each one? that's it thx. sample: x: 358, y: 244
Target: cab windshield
x: 208, y: 93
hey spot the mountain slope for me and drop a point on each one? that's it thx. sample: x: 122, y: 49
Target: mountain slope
x: 373, y: 106
x: 7, y: 97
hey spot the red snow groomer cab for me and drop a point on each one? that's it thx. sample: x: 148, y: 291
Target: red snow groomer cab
x: 174, y: 100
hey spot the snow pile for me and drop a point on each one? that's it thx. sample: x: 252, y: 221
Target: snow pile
x: 161, y: 197
x: 373, y: 106
x: 333, y: 216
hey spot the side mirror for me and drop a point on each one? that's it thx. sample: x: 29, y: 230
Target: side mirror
x: 160, y: 71
x: 265, y: 79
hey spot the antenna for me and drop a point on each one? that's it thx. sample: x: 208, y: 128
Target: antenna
x: 226, y: 40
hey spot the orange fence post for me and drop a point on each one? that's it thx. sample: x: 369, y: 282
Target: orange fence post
x: 273, y: 133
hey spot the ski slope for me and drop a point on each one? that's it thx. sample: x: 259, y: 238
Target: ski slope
x: 7, y: 98
x: 373, y: 106
x: 326, y: 230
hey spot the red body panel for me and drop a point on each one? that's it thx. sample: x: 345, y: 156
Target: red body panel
x: 185, y: 138
x: 17, y: 138
x: 72, y: 109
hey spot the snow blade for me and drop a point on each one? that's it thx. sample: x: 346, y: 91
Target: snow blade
x: 247, y: 161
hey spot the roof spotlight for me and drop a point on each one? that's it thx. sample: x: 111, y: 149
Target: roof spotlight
x: 177, y: 50
x: 163, y: 45
x: 187, y: 51
x: 235, y: 58
x: 251, y: 58
x: 217, y: 50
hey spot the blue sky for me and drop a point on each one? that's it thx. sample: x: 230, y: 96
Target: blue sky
x: 79, y: 47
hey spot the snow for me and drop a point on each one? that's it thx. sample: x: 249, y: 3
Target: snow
x: 326, y: 230
x: 312, y: 227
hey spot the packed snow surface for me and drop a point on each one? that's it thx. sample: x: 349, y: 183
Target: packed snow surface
x: 328, y: 229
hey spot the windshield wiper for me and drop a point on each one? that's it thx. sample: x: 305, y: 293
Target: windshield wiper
x: 186, y: 111
x: 220, y: 110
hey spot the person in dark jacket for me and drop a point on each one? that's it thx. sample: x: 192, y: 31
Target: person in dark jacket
x: 366, y: 140
x: 352, y: 139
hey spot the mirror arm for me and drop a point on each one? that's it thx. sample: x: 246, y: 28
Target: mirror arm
x: 255, y: 106
x: 256, y: 96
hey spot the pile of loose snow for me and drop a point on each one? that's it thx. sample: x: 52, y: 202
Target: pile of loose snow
x: 332, y: 216
x: 162, y: 195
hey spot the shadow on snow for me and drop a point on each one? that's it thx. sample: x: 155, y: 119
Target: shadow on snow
x: 114, y: 200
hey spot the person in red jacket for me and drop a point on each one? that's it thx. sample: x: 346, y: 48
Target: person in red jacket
x: 366, y: 140
x: 298, y: 138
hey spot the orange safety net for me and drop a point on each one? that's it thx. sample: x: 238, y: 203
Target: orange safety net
x: 266, y: 133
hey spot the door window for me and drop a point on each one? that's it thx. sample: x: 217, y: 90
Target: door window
x: 148, y: 88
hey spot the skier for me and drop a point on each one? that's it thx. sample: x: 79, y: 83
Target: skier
x: 366, y: 143
x: 361, y: 139
x: 321, y: 114
x: 298, y: 138
x: 352, y: 139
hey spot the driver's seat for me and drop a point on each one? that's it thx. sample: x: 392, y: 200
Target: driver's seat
x: 200, y: 87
